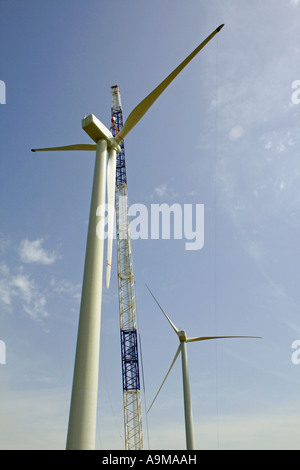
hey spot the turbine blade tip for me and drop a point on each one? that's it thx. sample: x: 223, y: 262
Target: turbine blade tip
x: 107, y: 281
x: 33, y: 150
x: 220, y: 27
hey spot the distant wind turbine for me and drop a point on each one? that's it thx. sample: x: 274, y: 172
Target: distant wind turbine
x: 189, y: 426
x: 83, y: 411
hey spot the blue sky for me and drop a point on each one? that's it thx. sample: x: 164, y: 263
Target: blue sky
x: 225, y: 134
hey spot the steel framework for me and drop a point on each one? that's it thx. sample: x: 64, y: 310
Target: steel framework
x: 126, y: 288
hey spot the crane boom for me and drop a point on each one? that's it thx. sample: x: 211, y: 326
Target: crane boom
x: 126, y: 288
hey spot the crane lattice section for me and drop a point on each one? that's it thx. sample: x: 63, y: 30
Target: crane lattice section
x: 126, y: 288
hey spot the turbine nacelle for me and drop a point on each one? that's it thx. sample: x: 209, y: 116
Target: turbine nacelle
x: 96, y: 130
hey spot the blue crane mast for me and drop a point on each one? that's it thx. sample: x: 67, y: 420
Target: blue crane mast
x: 126, y: 290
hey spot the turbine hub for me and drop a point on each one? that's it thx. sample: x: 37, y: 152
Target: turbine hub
x: 182, y: 335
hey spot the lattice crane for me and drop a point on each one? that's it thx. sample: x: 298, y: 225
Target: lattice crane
x: 126, y: 288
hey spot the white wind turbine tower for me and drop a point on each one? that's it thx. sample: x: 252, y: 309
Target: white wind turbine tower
x: 189, y: 426
x: 83, y: 409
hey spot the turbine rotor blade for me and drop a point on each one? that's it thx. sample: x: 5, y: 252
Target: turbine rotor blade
x: 68, y: 147
x: 139, y: 111
x: 111, y: 178
x: 204, y: 338
x: 173, y: 362
x: 171, y: 323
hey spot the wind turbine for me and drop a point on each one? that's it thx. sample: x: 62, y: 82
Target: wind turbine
x: 83, y: 410
x: 183, y: 340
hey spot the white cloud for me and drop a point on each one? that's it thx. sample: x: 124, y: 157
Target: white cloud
x: 163, y: 192
x: 236, y: 133
x: 33, y: 252
x: 20, y: 292
x: 18, y: 288
x: 280, y: 141
x: 65, y: 287
x: 23, y: 285
x: 295, y: 2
